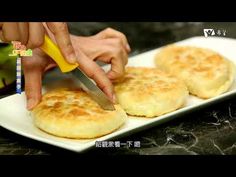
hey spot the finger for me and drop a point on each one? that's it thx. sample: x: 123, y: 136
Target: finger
x: 117, y: 69
x: 118, y: 52
x: 115, y: 55
x: 48, y: 32
x: 107, y: 53
x: 111, y: 33
x: 62, y: 38
x: 10, y: 32
x: 103, y: 50
x: 96, y: 73
x: 33, y: 82
x: 36, y: 35
x: 24, y: 32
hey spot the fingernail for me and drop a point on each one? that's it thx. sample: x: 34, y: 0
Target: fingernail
x: 128, y: 47
x: 72, y: 58
x: 31, y: 103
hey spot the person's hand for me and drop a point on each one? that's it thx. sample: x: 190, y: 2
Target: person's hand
x: 109, y: 46
x: 34, y: 67
x: 103, y: 46
x: 31, y: 34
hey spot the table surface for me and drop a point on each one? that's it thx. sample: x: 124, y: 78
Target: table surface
x: 209, y: 131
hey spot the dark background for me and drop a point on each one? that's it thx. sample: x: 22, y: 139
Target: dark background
x: 144, y: 36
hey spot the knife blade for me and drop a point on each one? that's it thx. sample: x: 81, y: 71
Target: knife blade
x: 86, y: 83
x: 92, y: 90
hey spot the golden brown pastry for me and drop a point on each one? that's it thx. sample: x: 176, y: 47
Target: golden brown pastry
x: 150, y: 92
x: 73, y: 114
x: 205, y: 72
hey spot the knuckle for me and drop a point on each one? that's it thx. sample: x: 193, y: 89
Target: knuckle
x: 109, y: 29
x: 117, y: 44
x: 27, y: 63
x: 7, y: 37
x: 118, y: 52
x: 90, y: 73
x: 57, y: 27
x: 122, y: 35
x: 60, y: 26
x: 68, y: 49
x: 38, y: 43
x: 97, y: 70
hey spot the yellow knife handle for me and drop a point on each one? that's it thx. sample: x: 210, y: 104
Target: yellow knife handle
x: 53, y: 51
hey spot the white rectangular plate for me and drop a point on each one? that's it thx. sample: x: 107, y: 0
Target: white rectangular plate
x: 15, y: 117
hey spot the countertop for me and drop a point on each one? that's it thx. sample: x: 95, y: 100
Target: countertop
x: 211, y: 130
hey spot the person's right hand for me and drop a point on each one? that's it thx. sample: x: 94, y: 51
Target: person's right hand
x: 31, y: 34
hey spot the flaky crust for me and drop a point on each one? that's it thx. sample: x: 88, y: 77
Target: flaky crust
x: 205, y: 72
x: 149, y: 92
x: 73, y: 114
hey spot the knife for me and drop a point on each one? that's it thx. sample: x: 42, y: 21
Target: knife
x: 87, y: 85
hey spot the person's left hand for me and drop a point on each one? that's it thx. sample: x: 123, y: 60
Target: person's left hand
x: 34, y: 67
